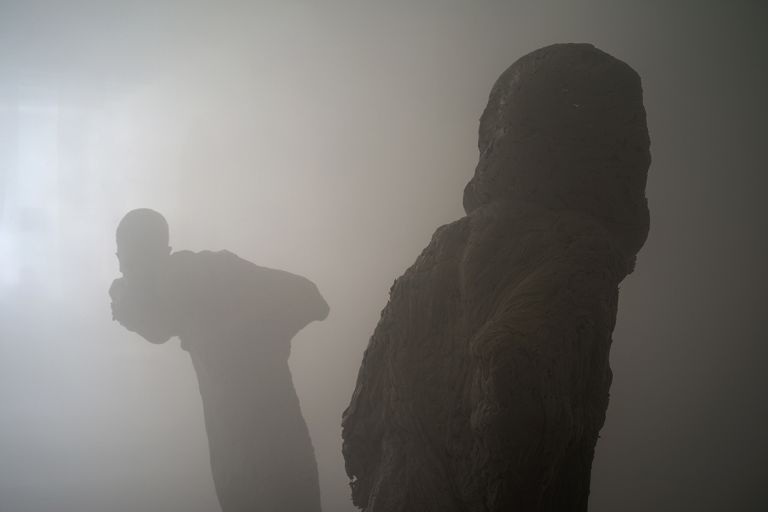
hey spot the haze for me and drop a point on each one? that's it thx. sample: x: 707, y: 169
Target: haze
x: 330, y: 140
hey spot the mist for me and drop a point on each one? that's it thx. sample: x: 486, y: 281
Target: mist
x: 330, y: 140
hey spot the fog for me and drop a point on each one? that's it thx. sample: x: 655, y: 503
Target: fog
x: 330, y: 140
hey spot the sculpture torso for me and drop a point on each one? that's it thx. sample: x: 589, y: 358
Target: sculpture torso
x: 236, y: 320
x: 488, y: 365
x: 486, y: 381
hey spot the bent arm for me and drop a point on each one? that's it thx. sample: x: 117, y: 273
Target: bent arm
x: 541, y: 378
x: 298, y: 301
x: 140, y: 310
x: 317, y: 307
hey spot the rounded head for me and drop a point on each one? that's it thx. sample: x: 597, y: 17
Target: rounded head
x: 565, y: 128
x: 142, y: 241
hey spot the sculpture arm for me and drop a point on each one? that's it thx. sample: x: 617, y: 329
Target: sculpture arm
x: 541, y: 374
x: 316, y: 306
x: 140, y: 311
x: 298, y: 302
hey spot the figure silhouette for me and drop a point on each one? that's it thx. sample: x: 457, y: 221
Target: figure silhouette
x: 485, y: 383
x: 236, y: 320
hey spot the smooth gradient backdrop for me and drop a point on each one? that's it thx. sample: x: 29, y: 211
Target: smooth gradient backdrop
x: 331, y: 139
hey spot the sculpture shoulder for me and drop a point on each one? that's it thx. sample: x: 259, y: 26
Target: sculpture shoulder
x: 227, y: 267
x: 520, y: 236
x: 221, y: 261
x: 192, y: 258
x: 446, y: 245
x: 226, y: 278
x: 431, y: 284
x: 220, y: 265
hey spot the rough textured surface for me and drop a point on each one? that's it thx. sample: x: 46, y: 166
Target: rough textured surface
x: 485, y: 383
x: 236, y: 320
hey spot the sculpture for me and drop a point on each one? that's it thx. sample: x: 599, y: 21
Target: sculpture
x: 485, y: 383
x: 236, y: 320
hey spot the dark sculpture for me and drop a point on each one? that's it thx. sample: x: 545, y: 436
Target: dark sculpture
x: 236, y: 320
x: 486, y: 381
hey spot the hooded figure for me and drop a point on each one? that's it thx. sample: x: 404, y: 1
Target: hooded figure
x: 236, y: 320
x: 485, y: 383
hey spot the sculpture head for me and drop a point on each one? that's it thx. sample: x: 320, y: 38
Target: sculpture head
x: 565, y: 128
x: 142, y: 242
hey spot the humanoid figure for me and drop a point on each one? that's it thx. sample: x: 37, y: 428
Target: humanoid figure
x: 236, y: 320
x: 485, y: 383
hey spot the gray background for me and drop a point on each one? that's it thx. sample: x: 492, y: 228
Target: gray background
x: 330, y: 139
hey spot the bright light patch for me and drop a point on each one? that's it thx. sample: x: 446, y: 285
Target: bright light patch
x: 28, y: 231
